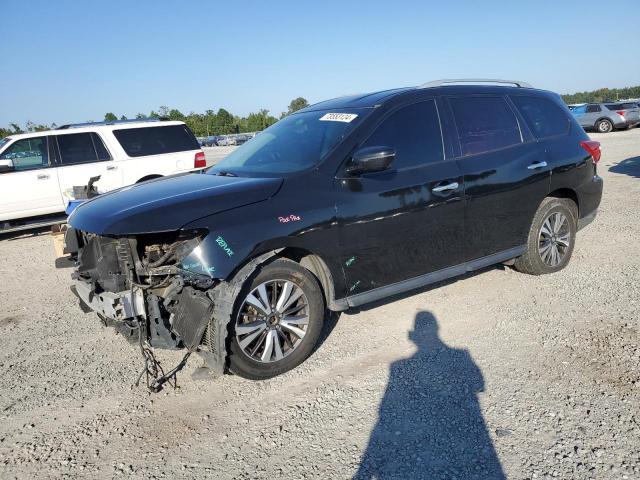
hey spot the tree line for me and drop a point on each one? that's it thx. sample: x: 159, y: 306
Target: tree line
x: 204, y: 124
x: 603, y: 95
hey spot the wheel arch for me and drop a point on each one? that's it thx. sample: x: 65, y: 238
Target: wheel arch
x: 308, y: 260
x: 569, y: 194
x: 149, y: 177
x: 595, y: 124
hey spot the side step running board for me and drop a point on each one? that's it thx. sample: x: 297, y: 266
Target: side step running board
x: 39, y: 224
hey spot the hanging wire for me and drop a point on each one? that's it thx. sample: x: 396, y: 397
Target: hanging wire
x: 152, y: 370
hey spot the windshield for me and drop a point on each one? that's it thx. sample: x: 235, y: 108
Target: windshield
x: 4, y: 141
x: 293, y: 144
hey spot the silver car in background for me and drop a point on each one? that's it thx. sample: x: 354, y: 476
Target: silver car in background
x: 605, y: 117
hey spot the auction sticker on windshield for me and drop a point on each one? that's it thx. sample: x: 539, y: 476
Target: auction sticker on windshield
x: 338, y: 117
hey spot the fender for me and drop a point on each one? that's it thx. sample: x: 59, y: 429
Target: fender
x: 237, y: 236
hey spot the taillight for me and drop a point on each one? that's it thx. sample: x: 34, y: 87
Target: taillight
x: 593, y: 148
x: 199, y: 161
x: 621, y: 113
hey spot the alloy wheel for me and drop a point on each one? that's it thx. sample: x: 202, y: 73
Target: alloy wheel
x: 272, y: 321
x: 554, y: 239
x: 604, y: 127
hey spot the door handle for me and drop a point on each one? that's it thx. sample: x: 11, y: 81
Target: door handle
x: 536, y: 165
x: 112, y: 167
x: 445, y: 188
x: 43, y: 176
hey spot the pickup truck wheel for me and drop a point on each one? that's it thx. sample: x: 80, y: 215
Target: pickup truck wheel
x: 551, y: 238
x: 604, y: 126
x: 276, y: 322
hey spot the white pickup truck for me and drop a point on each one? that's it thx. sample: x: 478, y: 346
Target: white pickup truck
x: 39, y: 170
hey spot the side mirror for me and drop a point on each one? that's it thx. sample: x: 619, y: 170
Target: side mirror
x: 6, y: 165
x: 371, y: 159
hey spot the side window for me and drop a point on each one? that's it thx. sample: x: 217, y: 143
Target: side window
x: 28, y: 153
x: 545, y: 118
x: 414, y: 133
x: 101, y: 150
x: 580, y: 109
x: 76, y: 148
x: 593, y: 108
x: 484, y: 124
x: 139, y: 142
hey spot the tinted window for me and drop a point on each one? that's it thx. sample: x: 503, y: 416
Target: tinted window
x: 544, y: 117
x: 138, y: 142
x: 621, y: 106
x: 28, y: 153
x: 101, y: 150
x: 414, y: 133
x: 593, y: 108
x: 484, y: 124
x: 76, y: 148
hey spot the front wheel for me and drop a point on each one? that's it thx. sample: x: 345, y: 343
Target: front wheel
x: 551, y: 238
x: 277, y: 321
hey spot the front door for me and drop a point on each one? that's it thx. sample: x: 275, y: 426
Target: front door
x: 31, y: 188
x: 405, y: 221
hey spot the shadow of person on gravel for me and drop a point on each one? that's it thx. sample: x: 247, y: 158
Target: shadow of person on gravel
x: 430, y: 424
x: 629, y: 166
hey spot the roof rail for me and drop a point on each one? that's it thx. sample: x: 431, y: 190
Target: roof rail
x: 449, y: 81
x: 114, y: 122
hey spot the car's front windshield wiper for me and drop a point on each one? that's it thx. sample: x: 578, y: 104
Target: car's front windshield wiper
x: 225, y: 174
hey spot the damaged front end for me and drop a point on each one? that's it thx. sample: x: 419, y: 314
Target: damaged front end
x: 140, y: 285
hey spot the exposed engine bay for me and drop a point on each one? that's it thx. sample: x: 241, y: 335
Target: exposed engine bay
x: 137, y: 284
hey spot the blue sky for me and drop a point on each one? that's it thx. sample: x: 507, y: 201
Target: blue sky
x: 67, y: 61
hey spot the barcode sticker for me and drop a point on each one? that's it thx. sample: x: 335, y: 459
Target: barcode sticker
x: 338, y: 117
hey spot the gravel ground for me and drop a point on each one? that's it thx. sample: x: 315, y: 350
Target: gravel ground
x: 495, y: 374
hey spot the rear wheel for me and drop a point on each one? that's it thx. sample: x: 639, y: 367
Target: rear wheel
x: 277, y: 321
x: 551, y: 238
x: 149, y: 177
x: 604, y: 126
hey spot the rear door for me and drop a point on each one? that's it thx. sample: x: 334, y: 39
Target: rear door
x: 32, y: 187
x: 505, y: 172
x: 592, y: 115
x: 157, y: 150
x: 81, y: 156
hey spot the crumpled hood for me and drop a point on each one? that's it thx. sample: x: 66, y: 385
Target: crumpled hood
x: 166, y: 204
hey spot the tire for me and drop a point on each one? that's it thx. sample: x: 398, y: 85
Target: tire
x: 257, y: 358
x: 540, y: 257
x: 149, y: 177
x: 604, y: 126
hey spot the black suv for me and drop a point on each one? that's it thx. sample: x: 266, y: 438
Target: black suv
x: 342, y: 203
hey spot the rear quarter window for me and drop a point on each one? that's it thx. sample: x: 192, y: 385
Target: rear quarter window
x: 139, y: 142
x: 544, y: 117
